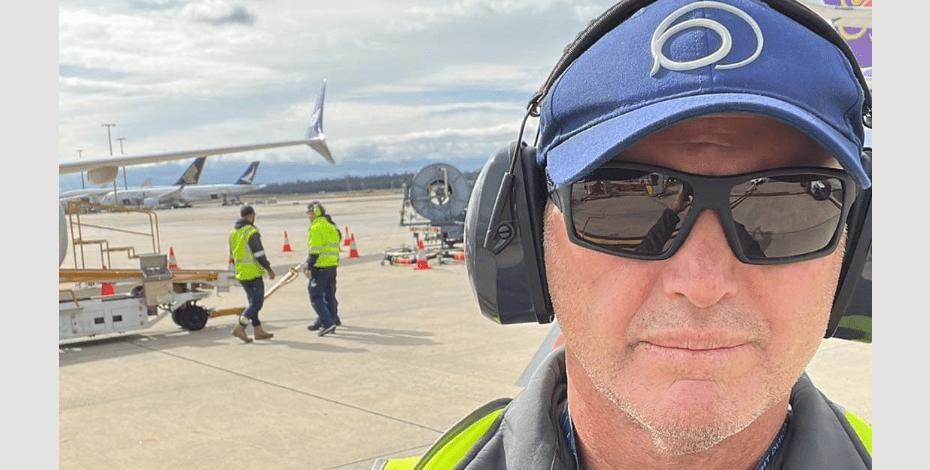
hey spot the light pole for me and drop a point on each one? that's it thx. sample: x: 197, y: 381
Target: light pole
x: 121, y: 139
x: 82, y: 173
x: 110, y: 141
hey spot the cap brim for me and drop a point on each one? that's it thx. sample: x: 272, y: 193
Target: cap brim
x: 589, y: 149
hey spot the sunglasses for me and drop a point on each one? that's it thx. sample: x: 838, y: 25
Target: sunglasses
x: 645, y: 212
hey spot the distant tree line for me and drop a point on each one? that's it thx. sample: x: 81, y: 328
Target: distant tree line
x: 348, y: 184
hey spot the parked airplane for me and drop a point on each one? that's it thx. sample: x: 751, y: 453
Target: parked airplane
x: 229, y: 193
x: 105, y: 170
x: 86, y: 195
x: 156, y: 196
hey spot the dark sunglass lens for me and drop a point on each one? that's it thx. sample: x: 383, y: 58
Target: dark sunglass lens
x: 630, y: 212
x: 782, y: 217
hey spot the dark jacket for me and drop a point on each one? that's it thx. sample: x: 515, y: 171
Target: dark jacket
x: 255, y: 244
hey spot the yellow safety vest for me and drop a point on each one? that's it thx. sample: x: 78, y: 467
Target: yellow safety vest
x: 451, y: 448
x: 247, y: 268
x: 863, y: 430
x: 323, y: 239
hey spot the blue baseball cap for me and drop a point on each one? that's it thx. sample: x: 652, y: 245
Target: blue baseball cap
x: 677, y: 59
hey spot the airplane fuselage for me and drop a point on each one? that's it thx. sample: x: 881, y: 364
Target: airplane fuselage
x: 224, y: 192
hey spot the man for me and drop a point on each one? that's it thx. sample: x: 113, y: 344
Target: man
x: 322, y: 260
x: 685, y: 347
x: 246, y: 251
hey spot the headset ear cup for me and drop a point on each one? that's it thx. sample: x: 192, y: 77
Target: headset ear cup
x: 503, y: 239
x: 851, y: 317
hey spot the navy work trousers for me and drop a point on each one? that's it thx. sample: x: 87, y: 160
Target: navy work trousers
x: 255, y: 292
x: 322, y: 289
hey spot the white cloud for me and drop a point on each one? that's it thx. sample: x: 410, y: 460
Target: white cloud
x: 218, y: 12
x: 405, y: 77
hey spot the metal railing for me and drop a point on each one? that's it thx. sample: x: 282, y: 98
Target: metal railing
x: 74, y: 209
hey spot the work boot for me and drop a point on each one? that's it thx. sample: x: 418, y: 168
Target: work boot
x: 260, y: 333
x: 316, y: 325
x: 336, y: 320
x: 239, y: 332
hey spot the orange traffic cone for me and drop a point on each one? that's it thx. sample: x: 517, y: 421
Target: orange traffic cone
x: 345, y: 240
x: 287, y: 244
x: 106, y: 288
x: 172, y: 263
x: 422, y: 262
x: 353, y: 252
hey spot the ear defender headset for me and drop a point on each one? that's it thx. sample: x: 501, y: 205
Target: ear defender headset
x: 504, y: 220
x: 317, y: 209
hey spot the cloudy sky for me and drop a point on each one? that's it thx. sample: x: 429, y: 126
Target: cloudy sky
x: 408, y: 82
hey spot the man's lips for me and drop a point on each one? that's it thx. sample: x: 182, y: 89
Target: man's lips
x: 698, y: 341
x: 687, y: 347
x: 708, y: 356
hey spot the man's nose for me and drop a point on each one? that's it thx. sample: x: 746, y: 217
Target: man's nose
x: 704, y: 268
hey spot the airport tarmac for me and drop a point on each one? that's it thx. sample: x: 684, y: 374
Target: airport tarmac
x: 413, y: 357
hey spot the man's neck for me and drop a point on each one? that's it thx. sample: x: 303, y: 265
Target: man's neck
x: 609, y: 439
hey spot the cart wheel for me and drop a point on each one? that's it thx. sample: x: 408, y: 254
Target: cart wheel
x: 193, y: 318
x: 176, y: 317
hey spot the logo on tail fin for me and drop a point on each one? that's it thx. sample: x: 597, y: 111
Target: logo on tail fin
x: 193, y: 172
x: 249, y: 174
x: 316, y: 120
x: 315, y: 131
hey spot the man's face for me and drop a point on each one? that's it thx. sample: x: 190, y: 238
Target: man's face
x: 696, y: 347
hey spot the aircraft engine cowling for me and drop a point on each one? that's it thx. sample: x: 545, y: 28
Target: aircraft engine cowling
x: 102, y: 175
x: 150, y: 203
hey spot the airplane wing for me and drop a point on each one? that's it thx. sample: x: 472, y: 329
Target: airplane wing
x: 105, y: 170
x: 171, y: 196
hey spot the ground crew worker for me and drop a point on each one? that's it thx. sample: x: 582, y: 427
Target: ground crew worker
x: 691, y: 354
x: 322, y: 260
x: 246, y: 251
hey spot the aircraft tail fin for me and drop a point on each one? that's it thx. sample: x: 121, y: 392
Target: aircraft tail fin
x: 249, y: 174
x: 315, y: 131
x: 192, y: 174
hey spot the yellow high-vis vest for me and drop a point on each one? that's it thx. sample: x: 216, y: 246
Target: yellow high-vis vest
x: 247, y: 268
x: 323, y: 240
